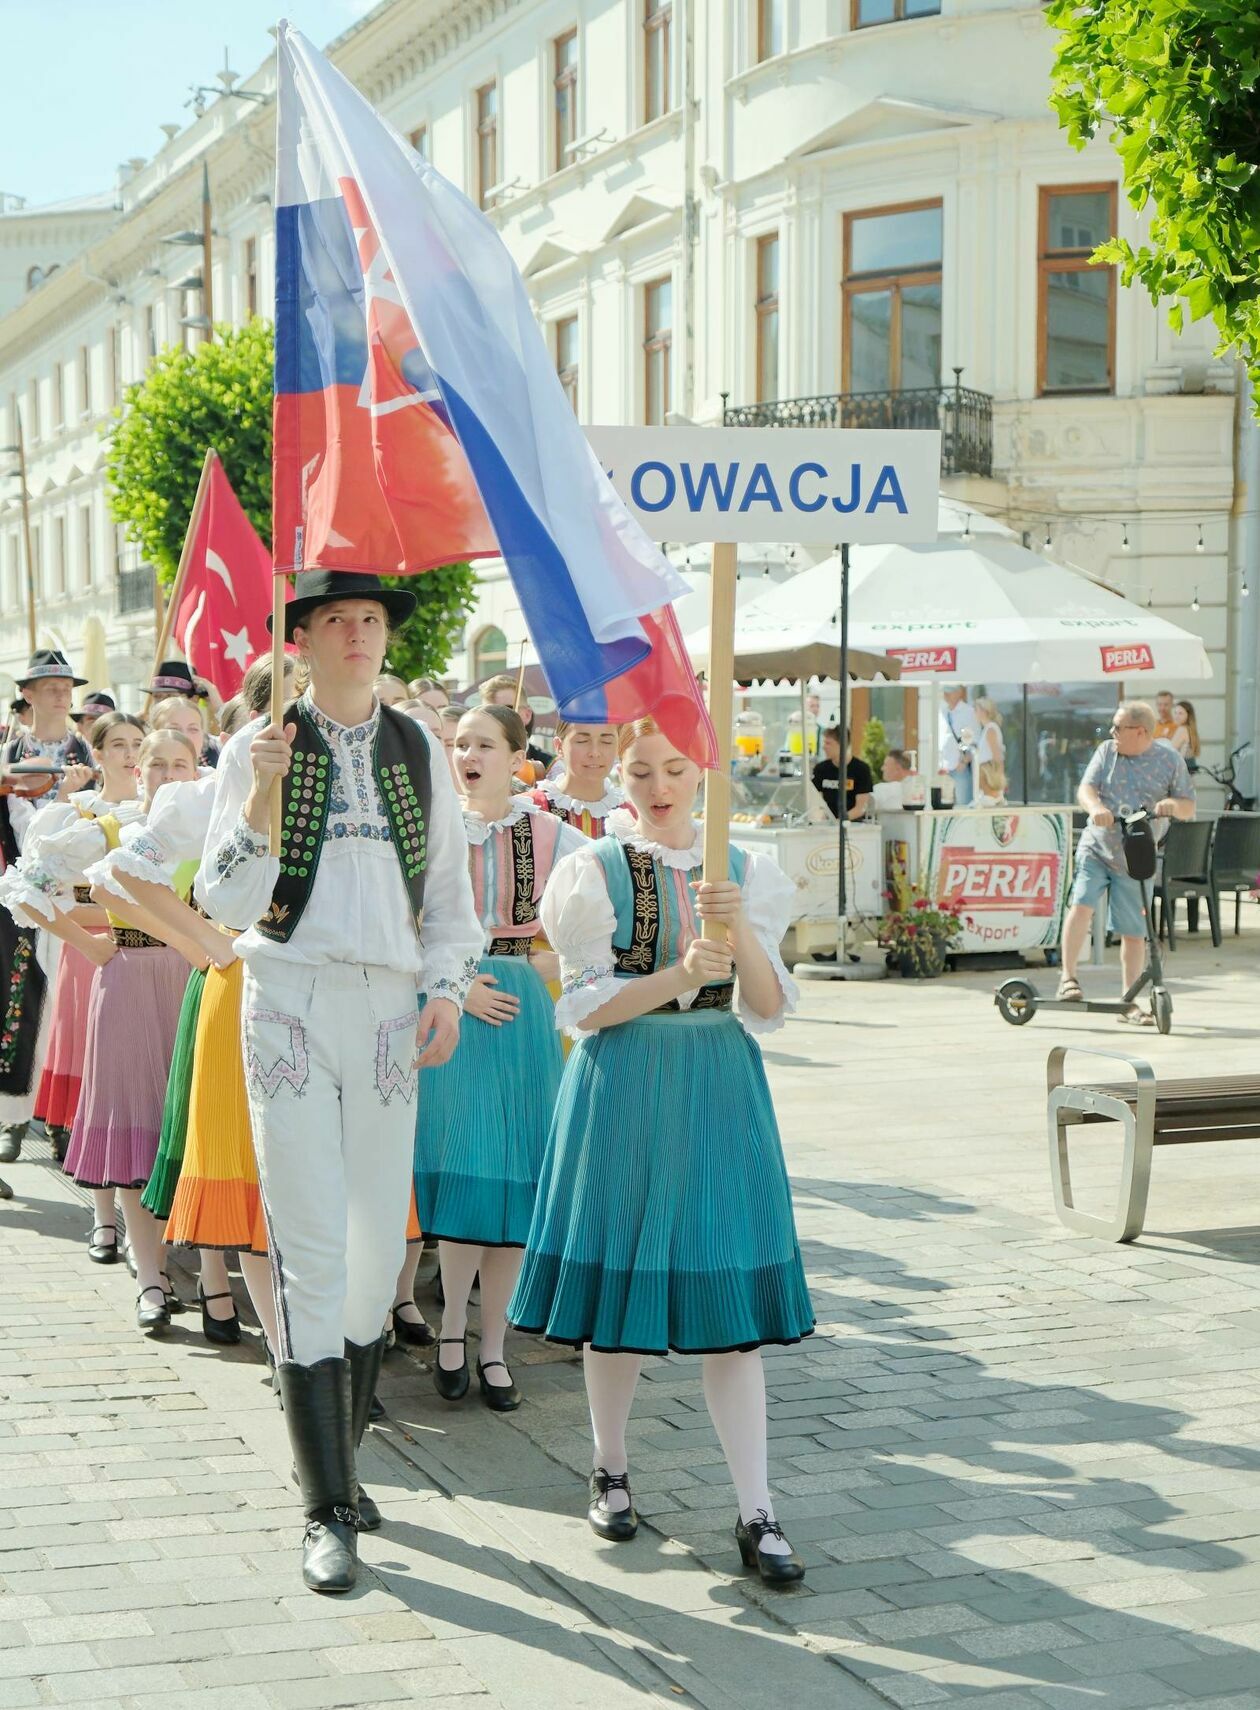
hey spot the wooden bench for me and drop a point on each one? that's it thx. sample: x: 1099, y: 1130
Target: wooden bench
x: 1152, y: 1113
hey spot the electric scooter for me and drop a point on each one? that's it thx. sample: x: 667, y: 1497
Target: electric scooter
x: 1019, y: 1000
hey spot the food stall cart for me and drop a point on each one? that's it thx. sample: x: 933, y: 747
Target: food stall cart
x: 775, y: 807
x: 1010, y: 867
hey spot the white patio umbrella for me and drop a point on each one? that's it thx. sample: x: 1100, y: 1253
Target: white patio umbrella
x: 988, y: 610
x: 768, y: 647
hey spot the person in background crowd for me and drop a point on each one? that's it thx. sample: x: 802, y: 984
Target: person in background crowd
x: 176, y: 712
x: 1185, y: 736
x: 990, y: 755
x: 95, y: 705
x: 959, y: 727
x: 390, y: 691
x: 859, y: 783
x: 174, y: 680
x: 1165, y: 723
x: 583, y: 792
x: 20, y: 712
x: 501, y: 691
x: 1129, y: 770
x: 896, y: 768
x: 450, y: 717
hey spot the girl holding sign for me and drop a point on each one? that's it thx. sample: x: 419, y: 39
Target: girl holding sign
x: 664, y: 1219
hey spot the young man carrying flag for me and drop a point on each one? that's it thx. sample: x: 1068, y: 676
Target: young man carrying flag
x: 418, y: 421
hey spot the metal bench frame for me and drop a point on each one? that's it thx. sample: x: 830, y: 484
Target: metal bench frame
x: 1137, y: 1118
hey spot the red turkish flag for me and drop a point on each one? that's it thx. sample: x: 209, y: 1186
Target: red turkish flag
x: 221, y: 623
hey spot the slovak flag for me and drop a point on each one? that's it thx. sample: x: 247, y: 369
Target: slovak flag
x: 419, y: 419
x: 225, y: 598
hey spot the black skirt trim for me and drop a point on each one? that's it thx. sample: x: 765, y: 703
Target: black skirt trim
x: 467, y: 1241
x: 663, y: 1353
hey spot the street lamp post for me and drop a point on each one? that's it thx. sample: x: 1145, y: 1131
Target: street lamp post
x: 19, y: 450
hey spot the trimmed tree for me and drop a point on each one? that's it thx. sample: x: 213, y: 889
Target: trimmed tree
x: 1174, y: 84
x: 220, y: 395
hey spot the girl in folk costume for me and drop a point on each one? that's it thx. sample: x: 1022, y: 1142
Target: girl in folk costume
x: 204, y: 1184
x: 482, y: 1120
x: 130, y: 1032
x: 115, y: 740
x: 664, y: 1218
x: 28, y: 961
x: 367, y: 905
x: 582, y: 792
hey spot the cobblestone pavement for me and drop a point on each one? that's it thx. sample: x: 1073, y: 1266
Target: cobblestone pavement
x: 1020, y: 1463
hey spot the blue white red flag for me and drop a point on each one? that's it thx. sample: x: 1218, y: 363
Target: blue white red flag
x: 419, y: 419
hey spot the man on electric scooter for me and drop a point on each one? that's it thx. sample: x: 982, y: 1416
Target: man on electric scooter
x: 1129, y: 771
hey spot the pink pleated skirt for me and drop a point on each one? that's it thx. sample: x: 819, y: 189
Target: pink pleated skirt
x: 132, y: 1016
x: 59, y: 1086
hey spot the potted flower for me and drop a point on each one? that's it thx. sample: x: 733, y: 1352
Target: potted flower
x: 918, y: 932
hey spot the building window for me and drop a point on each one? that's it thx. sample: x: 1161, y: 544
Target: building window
x: 33, y: 415
x: 251, y: 276
x: 567, y: 358
x: 57, y: 569
x: 1076, y: 300
x: 85, y: 381
x: 892, y: 298
x: 767, y: 312
x: 658, y: 318
x: 771, y: 28
x: 37, y: 562
x: 419, y: 140
x: 58, y: 397
x: 85, y: 546
x: 656, y: 22
x: 564, y: 77
x: 113, y: 367
x: 150, y: 332
x: 867, y: 12
x: 487, y: 142
x: 489, y: 654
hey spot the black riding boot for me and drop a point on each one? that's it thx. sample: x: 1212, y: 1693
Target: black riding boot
x: 365, y: 1369
x: 318, y: 1414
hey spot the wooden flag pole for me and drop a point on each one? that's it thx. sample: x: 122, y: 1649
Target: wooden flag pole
x: 717, y: 783
x: 520, y: 682
x: 171, y: 611
x: 279, y: 589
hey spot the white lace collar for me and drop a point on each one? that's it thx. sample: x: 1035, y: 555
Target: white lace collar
x: 89, y: 803
x: 612, y: 798
x: 480, y: 830
x: 625, y: 828
x: 350, y: 732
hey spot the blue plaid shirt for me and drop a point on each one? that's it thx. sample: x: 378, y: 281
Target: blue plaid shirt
x: 1124, y: 781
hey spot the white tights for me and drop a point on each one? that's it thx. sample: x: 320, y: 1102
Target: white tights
x: 499, y: 1268
x: 735, y: 1395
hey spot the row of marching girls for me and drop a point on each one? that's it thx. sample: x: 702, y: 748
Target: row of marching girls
x: 635, y: 1202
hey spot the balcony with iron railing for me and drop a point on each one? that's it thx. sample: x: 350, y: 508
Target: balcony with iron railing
x: 964, y: 417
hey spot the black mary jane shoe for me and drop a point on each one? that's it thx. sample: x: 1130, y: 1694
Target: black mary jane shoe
x: 420, y: 1335
x: 498, y: 1397
x: 174, y: 1304
x: 376, y: 1409
x: 151, y: 1315
x: 618, y: 1525
x: 224, y: 1332
x: 451, y: 1385
x: 104, y: 1252
x: 774, y: 1569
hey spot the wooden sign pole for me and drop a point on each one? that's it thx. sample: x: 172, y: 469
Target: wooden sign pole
x: 717, y: 783
x: 171, y: 611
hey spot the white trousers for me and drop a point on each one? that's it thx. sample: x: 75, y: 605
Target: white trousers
x: 332, y: 1100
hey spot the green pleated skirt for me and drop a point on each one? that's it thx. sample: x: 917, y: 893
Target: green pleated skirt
x: 159, y: 1194
x: 482, y: 1119
x: 664, y: 1216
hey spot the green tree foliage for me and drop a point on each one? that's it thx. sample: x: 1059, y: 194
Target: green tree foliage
x: 1174, y: 83
x: 875, y: 746
x: 220, y: 395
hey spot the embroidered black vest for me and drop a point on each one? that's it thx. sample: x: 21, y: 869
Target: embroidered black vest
x: 638, y: 948
x: 400, y: 765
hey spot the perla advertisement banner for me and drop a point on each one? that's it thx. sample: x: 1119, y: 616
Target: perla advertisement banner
x: 821, y: 485
x: 1008, y: 870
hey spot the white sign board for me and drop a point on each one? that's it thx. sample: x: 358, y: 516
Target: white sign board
x: 821, y: 485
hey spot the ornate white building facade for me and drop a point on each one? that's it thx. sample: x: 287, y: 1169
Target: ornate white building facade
x: 719, y: 206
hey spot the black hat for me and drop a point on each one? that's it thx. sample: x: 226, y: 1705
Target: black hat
x: 47, y: 662
x: 313, y: 588
x: 173, y: 677
x: 95, y: 704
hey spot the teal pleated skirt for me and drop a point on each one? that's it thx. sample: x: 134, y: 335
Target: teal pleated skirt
x: 664, y: 1216
x: 159, y: 1193
x: 482, y: 1119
